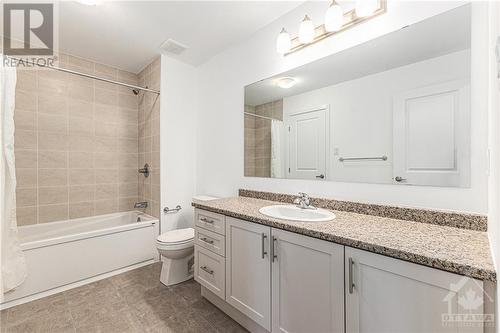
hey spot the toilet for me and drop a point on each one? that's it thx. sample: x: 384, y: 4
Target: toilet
x: 176, y: 248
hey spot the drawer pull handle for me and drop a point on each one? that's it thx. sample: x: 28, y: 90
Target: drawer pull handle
x: 204, y: 219
x: 208, y: 270
x: 206, y: 240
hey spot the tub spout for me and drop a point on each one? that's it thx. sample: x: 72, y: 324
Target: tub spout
x: 141, y: 205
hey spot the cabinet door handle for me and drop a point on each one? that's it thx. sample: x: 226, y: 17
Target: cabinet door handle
x: 208, y: 270
x: 273, y: 250
x: 206, y: 240
x: 263, y: 238
x: 351, y: 283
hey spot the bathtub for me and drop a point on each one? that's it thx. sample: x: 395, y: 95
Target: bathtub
x: 64, y: 254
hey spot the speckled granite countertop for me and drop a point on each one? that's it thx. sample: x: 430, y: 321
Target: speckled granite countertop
x: 455, y: 250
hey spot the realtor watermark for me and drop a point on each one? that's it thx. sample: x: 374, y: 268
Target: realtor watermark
x: 29, y: 34
x: 466, y: 305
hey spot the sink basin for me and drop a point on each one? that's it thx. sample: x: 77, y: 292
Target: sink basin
x: 294, y: 213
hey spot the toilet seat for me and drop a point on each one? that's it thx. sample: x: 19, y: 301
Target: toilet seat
x: 176, y: 239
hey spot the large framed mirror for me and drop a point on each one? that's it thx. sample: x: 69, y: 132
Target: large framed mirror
x: 394, y: 110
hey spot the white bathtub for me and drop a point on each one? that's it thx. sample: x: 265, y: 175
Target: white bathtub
x: 64, y: 254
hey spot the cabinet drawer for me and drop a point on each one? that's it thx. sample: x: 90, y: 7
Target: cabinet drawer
x: 210, y: 270
x: 210, y: 241
x: 211, y: 221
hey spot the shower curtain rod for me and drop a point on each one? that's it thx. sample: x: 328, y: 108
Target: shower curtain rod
x: 258, y: 116
x: 88, y: 76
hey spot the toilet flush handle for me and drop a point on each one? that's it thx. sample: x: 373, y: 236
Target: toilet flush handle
x: 167, y: 210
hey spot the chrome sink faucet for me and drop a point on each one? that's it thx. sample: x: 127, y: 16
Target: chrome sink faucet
x: 303, y: 201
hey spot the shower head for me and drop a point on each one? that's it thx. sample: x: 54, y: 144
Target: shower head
x: 135, y: 91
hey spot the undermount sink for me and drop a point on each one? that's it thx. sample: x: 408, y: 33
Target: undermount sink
x: 294, y: 213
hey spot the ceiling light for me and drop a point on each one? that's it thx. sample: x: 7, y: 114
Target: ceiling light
x: 334, y: 17
x: 89, y: 2
x: 306, y: 30
x: 286, y: 82
x: 366, y: 7
x: 283, y: 43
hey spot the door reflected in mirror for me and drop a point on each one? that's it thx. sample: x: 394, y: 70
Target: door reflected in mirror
x: 394, y: 110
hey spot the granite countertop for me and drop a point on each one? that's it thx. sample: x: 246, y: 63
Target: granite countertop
x: 461, y: 251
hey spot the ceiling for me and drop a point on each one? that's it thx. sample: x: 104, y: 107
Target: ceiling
x: 439, y: 35
x: 128, y: 34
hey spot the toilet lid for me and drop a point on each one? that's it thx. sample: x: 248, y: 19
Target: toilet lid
x: 177, y: 236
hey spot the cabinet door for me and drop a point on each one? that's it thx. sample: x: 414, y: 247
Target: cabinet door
x: 389, y: 295
x: 308, y: 284
x: 248, y: 270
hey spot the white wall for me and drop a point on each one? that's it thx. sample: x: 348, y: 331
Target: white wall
x: 178, y: 149
x: 361, y: 112
x: 220, y: 116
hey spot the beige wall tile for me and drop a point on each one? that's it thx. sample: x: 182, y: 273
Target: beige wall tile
x: 129, y: 175
x: 81, y: 176
x: 106, y: 97
x: 26, y: 215
x: 81, y: 109
x: 81, y: 126
x: 105, y: 129
x: 127, y: 204
x: 81, y: 143
x: 25, y: 120
x: 126, y: 145
x: 26, y: 158
x: 127, y: 161
x: 106, y: 113
x: 106, y: 191
x: 52, y: 159
x: 81, y: 92
x: 26, y: 80
x: 52, y: 177
x: 48, y: 86
x: 26, y: 197
x: 52, y: 195
x: 51, y: 213
x: 81, y: 193
x: 106, y: 160
x: 53, y: 104
x: 52, y: 123
x: 81, y: 160
x: 106, y: 176
x: 25, y: 100
x: 108, y: 71
x: 128, y: 190
x: 105, y: 206
x: 26, y: 177
x: 81, y: 209
x: 52, y: 141
x: 128, y: 101
x: 105, y: 144
x: 25, y: 139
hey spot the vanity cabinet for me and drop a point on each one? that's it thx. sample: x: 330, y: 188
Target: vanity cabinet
x: 307, y: 284
x: 248, y: 270
x: 383, y: 294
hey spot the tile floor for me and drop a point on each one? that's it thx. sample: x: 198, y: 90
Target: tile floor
x: 134, y: 301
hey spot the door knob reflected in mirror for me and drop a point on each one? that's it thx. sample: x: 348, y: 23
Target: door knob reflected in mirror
x: 321, y: 176
x: 399, y: 179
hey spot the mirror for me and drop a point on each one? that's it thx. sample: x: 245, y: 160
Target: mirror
x: 393, y: 110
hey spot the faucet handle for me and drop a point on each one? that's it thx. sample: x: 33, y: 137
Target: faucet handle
x: 303, y: 195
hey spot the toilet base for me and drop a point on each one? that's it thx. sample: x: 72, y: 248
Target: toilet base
x: 174, y: 271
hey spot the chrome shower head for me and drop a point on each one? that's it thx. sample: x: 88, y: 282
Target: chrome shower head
x: 135, y: 91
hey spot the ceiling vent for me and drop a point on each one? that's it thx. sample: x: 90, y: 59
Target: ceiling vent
x: 173, y: 47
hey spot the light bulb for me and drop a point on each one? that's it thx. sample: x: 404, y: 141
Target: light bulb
x: 306, y: 30
x: 283, y: 42
x: 366, y: 7
x: 334, y: 17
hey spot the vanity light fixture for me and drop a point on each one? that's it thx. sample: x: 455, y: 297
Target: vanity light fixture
x: 334, y: 17
x: 336, y: 21
x: 306, y: 30
x: 286, y: 82
x: 283, y: 43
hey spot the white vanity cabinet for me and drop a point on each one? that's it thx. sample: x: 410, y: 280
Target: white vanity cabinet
x: 390, y: 295
x: 248, y: 270
x: 307, y: 284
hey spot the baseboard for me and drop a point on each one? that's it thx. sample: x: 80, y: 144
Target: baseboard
x: 57, y: 290
x: 228, y: 309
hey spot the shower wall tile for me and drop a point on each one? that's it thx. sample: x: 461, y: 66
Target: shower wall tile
x: 76, y: 142
x: 148, y: 145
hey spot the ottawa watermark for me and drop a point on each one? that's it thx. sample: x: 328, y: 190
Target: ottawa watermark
x: 466, y: 305
x: 29, y: 34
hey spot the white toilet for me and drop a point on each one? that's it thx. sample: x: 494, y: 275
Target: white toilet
x: 176, y: 248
